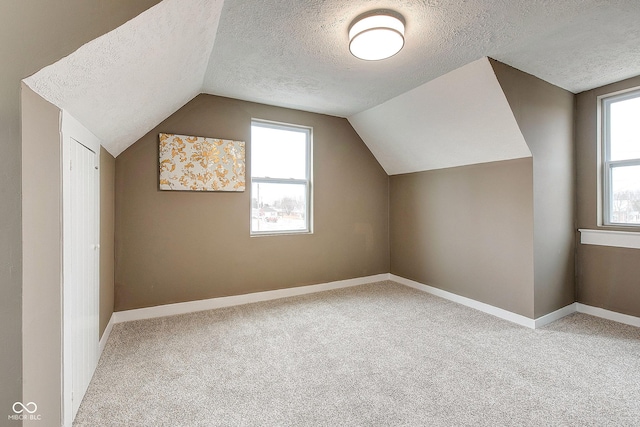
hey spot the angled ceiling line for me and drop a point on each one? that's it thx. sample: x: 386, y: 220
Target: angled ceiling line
x: 294, y: 53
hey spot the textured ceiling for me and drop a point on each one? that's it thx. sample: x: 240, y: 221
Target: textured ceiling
x: 124, y: 83
x: 460, y: 118
x: 294, y: 53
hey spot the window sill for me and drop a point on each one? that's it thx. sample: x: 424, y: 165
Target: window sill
x: 618, y: 239
x: 281, y: 233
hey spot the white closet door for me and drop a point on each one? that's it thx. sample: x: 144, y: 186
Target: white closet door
x: 83, y: 292
x: 81, y: 216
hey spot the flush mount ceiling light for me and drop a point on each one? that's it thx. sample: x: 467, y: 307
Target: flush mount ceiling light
x: 376, y: 35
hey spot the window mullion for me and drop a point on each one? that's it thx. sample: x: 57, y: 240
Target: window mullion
x: 278, y: 180
x: 622, y: 163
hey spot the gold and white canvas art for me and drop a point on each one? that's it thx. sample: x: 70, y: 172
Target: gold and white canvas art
x: 195, y: 163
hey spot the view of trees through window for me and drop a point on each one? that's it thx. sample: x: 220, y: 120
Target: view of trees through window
x: 278, y: 207
x: 625, y: 207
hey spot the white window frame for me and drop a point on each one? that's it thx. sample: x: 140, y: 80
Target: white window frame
x: 307, y: 181
x: 609, y: 165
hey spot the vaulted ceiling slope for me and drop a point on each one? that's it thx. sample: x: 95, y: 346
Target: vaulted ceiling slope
x: 460, y: 118
x: 294, y: 53
x: 124, y: 83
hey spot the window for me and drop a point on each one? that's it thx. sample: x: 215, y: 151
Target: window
x: 280, y: 178
x: 621, y: 155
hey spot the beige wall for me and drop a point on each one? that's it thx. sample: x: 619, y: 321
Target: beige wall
x: 467, y: 230
x: 182, y: 246
x: 107, y: 236
x: 607, y: 277
x: 444, y: 250
x: 34, y: 34
x: 545, y: 115
x: 42, y: 256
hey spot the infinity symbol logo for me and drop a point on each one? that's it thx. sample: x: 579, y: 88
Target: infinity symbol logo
x: 24, y: 407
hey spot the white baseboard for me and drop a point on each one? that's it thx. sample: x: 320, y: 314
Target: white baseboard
x: 486, y: 308
x: 609, y: 315
x: 212, y: 303
x: 555, y: 315
x: 517, y: 318
x: 105, y: 334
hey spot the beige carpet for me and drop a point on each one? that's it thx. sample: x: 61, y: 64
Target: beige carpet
x: 373, y: 355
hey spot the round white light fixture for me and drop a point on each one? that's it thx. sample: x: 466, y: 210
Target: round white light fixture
x: 376, y: 35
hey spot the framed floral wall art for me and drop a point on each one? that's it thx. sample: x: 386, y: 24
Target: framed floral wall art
x: 196, y: 163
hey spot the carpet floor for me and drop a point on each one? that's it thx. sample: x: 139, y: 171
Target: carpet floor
x: 373, y: 355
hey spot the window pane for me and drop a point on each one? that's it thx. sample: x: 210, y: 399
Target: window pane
x: 278, y: 153
x: 625, y: 129
x: 625, y: 200
x: 278, y: 207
